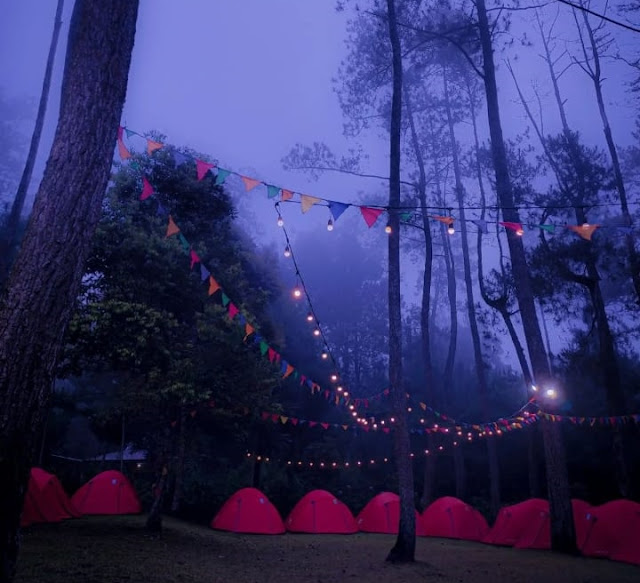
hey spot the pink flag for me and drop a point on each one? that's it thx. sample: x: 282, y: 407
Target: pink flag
x: 370, y: 215
x: 194, y: 258
x: 517, y: 227
x: 202, y: 168
x: 147, y: 189
x: 233, y: 311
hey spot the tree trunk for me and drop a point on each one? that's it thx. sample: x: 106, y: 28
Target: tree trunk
x: 179, y: 465
x: 494, y: 467
x: 45, y: 280
x: 154, y: 520
x: 425, y: 333
x: 8, y: 240
x: 458, y: 467
x: 122, y: 440
x: 404, y: 548
x: 532, y: 459
x: 562, y: 526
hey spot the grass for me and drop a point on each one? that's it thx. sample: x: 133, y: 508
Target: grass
x: 118, y: 549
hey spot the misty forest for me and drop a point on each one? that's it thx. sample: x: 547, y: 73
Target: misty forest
x: 313, y: 285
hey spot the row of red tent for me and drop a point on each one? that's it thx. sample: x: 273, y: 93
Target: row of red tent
x: 611, y: 530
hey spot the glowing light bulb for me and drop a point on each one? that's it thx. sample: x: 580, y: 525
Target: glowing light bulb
x: 451, y: 229
x: 519, y: 232
x: 324, y: 355
x: 309, y: 317
x: 339, y: 389
x: 330, y: 225
x: 280, y: 221
x: 388, y: 230
x: 287, y: 251
x: 316, y: 332
x: 534, y: 388
x: 334, y: 377
x: 297, y: 292
x: 346, y: 394
x: 551, y: 393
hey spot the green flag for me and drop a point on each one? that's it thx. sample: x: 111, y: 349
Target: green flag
x: 222, y: 176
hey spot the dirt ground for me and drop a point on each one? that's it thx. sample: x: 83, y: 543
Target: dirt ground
x: 117, y: 549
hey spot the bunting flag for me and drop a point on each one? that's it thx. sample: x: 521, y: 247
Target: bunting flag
x: 233, y: 310
x: 172, y: 228
x: 306, y: 202
x: 337, y: 208
x: 370, y: 215
x: 249, y: 183
x: 225, y: 299
x: 152, y: 146
x: 515, y: 227
x: 213, y: 285
x: 202, y: 168
x: 272, y: 191
x: 288, y: 372
x: 222, y: 176
x: 482, y: 225
x: 585, y: 231
x: 204, y: 272
x: 185, y: 244
x: 286, y: 195
x: 248, y: 330
x: 445, y: 220
x: 147, y: 189
x: 548, y: 228
x: 122, y: 150
x: 194, y: 258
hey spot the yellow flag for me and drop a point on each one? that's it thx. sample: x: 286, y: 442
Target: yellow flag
x: 172, y: 228
x: 152, y: 146
x: 308, y: 201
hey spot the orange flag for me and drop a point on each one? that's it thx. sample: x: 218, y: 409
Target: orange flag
x: 248, y: 330
x: 172, y: 228
x: 585, y: 231
x: 308, y: 201
x: 283, y: 419
x: 122, y: 150
x: 289, y: 370
x: 286, y: 194
x: 249, y: 183
x: 213, y: 285
x: 152, y: 146
x: 446, y: 220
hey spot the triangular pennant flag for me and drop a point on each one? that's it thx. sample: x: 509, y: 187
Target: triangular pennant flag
x: 294, y: 420
x: 185, y: 244
x: 288, y: 371
x: 283, y: 419
x: 516, y: 227
x: 147, y: 189
x: 482, y: 225
x: 122, y: 151
x: 271, y: 353
x: 370, y: 215
x: 306, y: 202
x: 242, y: 320
x: 233, y: 310
x: 264, y: 415
x: 249, y: 183
x: 194, y: 258
x: 337, y: 208
x: 312, y: 423
x: 222, y: 176
x: 161, y: 210
x: 548, y: 228
x: 204, y: 272
x: 264, y: 347
x: 283, y: 366
x: 248, y: 330
x: 272, y: 191
x: 130, y: 132
x: 225, y: 299
x: 202, y: 168
x: 214, y: 286
x: 324, y: 425
x: 405, y: 216
x: 585, y: 231
x: 152, y: 146
x: 120, y: 131
x: 445, y: 220
x: 178, y: 157
x: 172, y: 228
x: 286, y: 195
x: 275, y: 417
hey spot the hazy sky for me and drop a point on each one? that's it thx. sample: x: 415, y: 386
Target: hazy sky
x: 245, y: 80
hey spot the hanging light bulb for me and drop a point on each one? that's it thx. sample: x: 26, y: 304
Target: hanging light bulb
x: 388, y: 229
x: 451, y: 229
x: 324, y: 355
x: 280, y: 221
x: 520, y: 232
x: 316, y: 332
x: 309, y: 317
x: 330, y: 225
x: 334, y: 377
x: 297, y: 292
x: 287, y: 251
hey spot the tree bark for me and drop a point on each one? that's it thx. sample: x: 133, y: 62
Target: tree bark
x: 8, y: 241
x: 45, y: 280
x: 181, y: 451
x: 562, y: 526
x: 404, y: 548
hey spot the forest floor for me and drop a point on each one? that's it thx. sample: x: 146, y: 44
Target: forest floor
x: 118, y: 549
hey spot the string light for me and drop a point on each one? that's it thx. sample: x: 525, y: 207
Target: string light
x: 280, y: 221
x: 324, y: 355
x: 334, y: 377
x: 451, y: 229
x: 317, y: 332
x: 330, y: 225
x: 297, y: 292
x: 310, y: 317
x: 388, y: 229
x: 287, y: 251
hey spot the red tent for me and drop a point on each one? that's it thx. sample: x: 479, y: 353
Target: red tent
x: 537, y: 534
x: 320, y: 511
x: 450, y: 517
x: 614, y: 532
x: 512, y: 521
x: 45, y: 500
x: 250, y: 511
x: 382, y: 514
x: 107, y: 493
